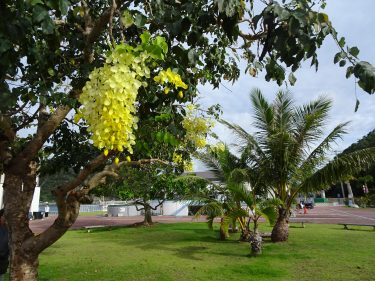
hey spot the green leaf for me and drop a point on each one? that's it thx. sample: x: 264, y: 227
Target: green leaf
x: 349, y: 71
x: 47, y: 26
x: 354, y: 51
x: 140, y: 20
x: 155, y: 51
x: 159, y: 136
x: 35, y: 2
x: 127, y: 19
x: 356, y: 105
x: 365, y: 73
x: 5, y: 45
x: 39, y: 13
x: 292, y: 79
x: 51, y: 72
x: 342, y: 42
x: 192, y: 56
x: 337, y: 58
x: 342, y: 63
x: 323, y: 17
x: 145, y: 37
x: 63, y: 6
x: 160, y: 41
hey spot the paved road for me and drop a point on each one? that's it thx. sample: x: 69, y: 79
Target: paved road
x: 338, y: 215
x: 324, y: 215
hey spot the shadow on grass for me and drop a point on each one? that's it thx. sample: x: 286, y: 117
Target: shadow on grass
x: 171, y: 241
x: 357, y: 229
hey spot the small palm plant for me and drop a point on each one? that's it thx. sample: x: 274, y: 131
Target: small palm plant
x: 256, y: 207
x: 222, y: 163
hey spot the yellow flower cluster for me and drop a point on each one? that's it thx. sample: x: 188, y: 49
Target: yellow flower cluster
x: 108, y: 100
x: 173, y: 78
x: 187, y: 165
x: 196, y: 128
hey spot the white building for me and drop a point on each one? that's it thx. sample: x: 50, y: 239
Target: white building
x: 36, y: 197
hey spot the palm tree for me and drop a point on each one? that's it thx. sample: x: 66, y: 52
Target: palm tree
x: 289, y: 151
x: 222, y: 163
x: 237, y: 178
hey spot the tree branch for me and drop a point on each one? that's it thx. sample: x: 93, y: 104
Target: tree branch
x: 112, y: 11
x: 82, y: 175
x: 6, y: 128
x: 22, y: 159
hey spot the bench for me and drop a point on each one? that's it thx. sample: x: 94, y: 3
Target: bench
x: 266, y: 234
x: 301, y: 222
x: 356, y: 224
x: 89, y: 227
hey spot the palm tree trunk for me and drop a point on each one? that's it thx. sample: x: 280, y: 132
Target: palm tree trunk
x: 350, y: 193
x: 255, y: 244
x: 280, y: 231
x: 223, y: 230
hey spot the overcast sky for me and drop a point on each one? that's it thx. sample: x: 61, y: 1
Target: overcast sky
x: 352, y: 19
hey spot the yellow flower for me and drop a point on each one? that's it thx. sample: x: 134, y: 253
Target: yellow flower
x: 180, y: 94
x: 117, y: 160
x: 166, y: 90
x: 106, y: 152
x: 128, y: 158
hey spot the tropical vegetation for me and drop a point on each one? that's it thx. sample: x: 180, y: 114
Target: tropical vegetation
x: 237, y: 198
x: 289, y: 150
x: 55, y: 53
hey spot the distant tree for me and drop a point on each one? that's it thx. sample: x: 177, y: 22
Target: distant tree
x: 144, y: 183
x: 363, y: 177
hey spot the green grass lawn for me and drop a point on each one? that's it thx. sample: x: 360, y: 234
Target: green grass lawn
x: 189, y: 251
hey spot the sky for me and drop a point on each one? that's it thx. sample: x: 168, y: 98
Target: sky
x: 352, y: 19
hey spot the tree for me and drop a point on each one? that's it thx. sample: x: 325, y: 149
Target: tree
x: 49, y: 50
x: 142, y: 183
x: 222, y: 203
x: 289, y: 151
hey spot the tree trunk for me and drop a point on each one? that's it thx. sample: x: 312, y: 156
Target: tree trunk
x: 18, y: 194
x: 148, y: 215
x: 25, y: 247
x: 255, y: 244
x: 223, y: 232
x: 22, y: 266
x: 280, y: 231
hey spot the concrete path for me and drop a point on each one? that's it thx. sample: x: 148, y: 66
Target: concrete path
x: 323, y: 215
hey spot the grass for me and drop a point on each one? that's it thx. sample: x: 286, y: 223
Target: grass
x: 189, y: 251
x: 92, y: 214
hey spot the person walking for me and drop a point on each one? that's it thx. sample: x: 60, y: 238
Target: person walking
x: 46, y: 210
x: 4, y: 246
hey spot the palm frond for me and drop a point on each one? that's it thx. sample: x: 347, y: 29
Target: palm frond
x: 263, y: 112
x: 283, y: 107
x: 270, y: 214
x: 308, y: 122
x: 212, y: 209
x: 239, y: 175
x: 240, y: 192
x: 326, y: 143
x: 339, y: 168
x: 212, y: 163
x: 237, y: 213
x: 242, y: 135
